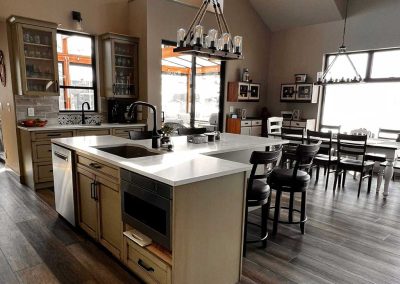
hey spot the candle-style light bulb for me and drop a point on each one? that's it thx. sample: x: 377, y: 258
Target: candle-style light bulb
x: 226, y: 40
x: 181, y: 37
x: 213, y: 37
x: 238, y: 44
x: 198, y: 35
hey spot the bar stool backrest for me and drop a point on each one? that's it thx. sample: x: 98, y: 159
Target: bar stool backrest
x: 305, y: 154
x: 140, y: 135
x: 268, y: 159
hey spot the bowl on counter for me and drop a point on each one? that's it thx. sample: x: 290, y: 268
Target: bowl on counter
x: 33, y: 122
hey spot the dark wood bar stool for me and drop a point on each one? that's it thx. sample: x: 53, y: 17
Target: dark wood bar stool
x: 140, y: 135
x: 191, y: 131
x: 296, y: 137
x: 293, y: 181
x: 258, y: 191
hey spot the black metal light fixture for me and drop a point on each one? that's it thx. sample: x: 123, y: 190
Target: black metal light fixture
x: 342, y: 52
x: 194, y: 42
x: 77, y: 18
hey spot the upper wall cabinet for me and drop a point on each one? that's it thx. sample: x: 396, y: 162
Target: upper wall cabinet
x: 34, y: 52
x: 243, y: 91
x: 121, y: 68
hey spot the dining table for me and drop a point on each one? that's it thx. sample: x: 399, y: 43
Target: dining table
x: 387, y: 147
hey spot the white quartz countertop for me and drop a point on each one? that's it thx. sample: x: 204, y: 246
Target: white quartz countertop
x: 79, y: 126
x: 188, y: 162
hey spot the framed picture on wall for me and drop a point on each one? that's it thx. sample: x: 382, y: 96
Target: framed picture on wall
x: 288, y: 92
x: 304, y: 92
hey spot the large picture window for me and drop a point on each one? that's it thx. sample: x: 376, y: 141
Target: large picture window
x: 372, y: 104
x: 77, y: 71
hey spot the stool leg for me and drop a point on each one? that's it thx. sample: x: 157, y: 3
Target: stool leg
x: 317, y: 174
x: 291, y: 201
x: 246, y: 213
x: 344, y: 178
x: 276, y: 215
x: 325, y: 168
x: 303, y: 211
x: 264, y: 232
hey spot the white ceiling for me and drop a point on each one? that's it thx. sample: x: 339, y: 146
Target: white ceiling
x: 286, y: 14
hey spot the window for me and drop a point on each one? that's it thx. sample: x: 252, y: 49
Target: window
x: 77, y: 71
x: 371, y: 105
x: 177, y: 76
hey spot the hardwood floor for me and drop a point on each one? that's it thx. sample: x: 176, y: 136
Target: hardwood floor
x: 347, y: 240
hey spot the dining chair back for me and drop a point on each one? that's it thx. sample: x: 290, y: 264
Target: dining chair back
x: 296, y: 137
x: 353, y: 146
x: 325, y: 155
x: 191, y: 131
x: 390, y: 134
x: 140, y: 135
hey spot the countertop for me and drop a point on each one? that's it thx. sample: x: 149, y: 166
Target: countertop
x: 79, y: 126
x: 188, y: 162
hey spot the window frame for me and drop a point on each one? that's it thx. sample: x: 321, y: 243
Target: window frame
x: 221, y: 115
x: 94, y: 69
x: 367, y: 78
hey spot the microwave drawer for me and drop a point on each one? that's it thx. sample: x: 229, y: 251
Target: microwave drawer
x: 147, y: 183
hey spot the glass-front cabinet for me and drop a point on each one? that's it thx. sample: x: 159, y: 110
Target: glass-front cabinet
x: 120, y: 66
x: 35, y: 57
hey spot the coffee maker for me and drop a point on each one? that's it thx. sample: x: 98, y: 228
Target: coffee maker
x: 118, y: 111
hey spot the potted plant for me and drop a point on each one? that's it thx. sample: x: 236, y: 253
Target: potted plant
x: 166, y: 131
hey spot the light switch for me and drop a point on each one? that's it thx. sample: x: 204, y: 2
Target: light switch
x: 31, y: 111
x: 231, y: 109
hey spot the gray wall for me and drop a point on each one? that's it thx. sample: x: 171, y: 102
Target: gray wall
x: 371, y: 24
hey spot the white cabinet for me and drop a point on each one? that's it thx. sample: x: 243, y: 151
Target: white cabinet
x: 251, y: 127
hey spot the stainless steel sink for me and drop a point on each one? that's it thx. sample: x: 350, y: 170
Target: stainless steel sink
x: 128, y: 151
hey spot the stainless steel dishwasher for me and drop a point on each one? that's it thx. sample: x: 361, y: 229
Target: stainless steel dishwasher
x: 63, y: 183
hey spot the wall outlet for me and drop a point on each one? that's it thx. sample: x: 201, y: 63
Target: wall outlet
x: 31, y: 111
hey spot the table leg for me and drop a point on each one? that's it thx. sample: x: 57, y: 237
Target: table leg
x: 388, y: 176
x: 380, y: 178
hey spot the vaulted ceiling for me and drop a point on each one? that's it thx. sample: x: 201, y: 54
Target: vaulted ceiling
x: 286, y: 14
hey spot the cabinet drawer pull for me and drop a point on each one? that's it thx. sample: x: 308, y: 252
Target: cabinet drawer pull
x: 142, y: 264
x: 93, y: 191
x: 54, y: 135
x: 95, y: 166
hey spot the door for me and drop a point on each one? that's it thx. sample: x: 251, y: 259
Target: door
x: 87, y: 215
x: 110, y: 219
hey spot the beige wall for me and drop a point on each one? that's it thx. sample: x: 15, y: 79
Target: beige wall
x: 371, y: 24
x: 165, y: 17
x: 99, y: 16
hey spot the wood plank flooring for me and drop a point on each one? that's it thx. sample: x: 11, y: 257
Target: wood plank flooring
x: 347, y: 240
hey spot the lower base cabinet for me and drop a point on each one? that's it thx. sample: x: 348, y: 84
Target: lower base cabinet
x: 99, y: 206
x: 146, y: 265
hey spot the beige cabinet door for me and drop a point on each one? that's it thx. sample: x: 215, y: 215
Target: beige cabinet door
x: 110, y: 220
x: 87, y: 212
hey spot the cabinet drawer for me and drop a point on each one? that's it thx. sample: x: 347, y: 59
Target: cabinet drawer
x: 41, y: 151
x: 150, y: 268
x: 48, y: 135
x: 124, y: 132
x: 256, y: 122
x: 99, y: 167
x: 93, y: 132
x: 245, y: 123
x: 43, y: 172
x: 298, y: 124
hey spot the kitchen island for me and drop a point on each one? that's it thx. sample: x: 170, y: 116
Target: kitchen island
x: 206, y: 182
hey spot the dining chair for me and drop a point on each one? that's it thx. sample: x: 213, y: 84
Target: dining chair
x: 296, y: 137
x: 293, y: 181
x: 274, y: 125
x: 259, y: 193
x: 325, y: 155
x: 349, y: 149
x: 140, y: 135
x: 191, y: 131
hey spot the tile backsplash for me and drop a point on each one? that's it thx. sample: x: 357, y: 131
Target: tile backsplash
x: 46, y: 107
